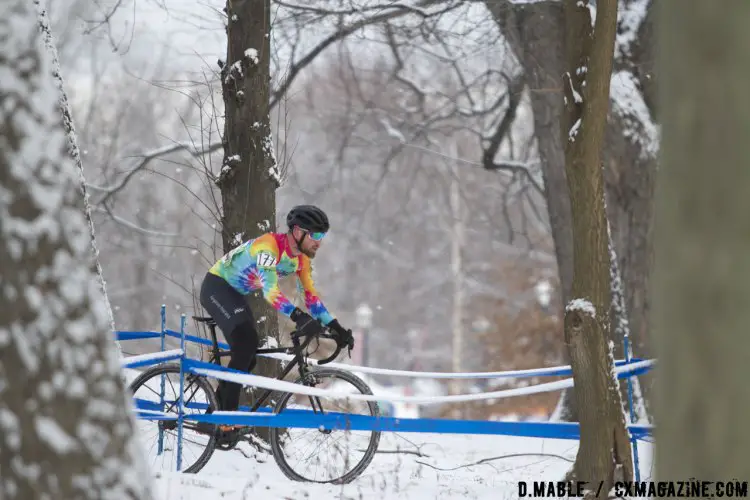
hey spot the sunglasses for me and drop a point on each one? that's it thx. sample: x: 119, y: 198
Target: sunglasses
x: 315, y: 236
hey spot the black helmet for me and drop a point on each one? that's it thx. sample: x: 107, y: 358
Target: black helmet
x: 308, y: 217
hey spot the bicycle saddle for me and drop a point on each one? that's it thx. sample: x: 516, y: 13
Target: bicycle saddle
x: 205, y: 319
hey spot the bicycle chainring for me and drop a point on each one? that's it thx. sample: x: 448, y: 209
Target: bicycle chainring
x: 227, y: 441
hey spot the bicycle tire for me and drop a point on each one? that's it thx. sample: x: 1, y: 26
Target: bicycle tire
x: 275, y: 433
x: 203, y: 383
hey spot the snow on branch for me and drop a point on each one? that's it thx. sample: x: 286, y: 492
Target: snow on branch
x: 269, y: 156
x: 234, y: 72
x: 627, y: 101
x: 626, y: 93
x: 252, y: 55
x: 391, y: 130
x: 622, y: 327
x: 630, y: 16
x: 583, y: 305
x: 573, y: 133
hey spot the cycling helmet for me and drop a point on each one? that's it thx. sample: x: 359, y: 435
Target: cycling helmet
x: 308, y: 217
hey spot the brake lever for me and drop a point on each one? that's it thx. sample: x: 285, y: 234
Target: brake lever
x: 335, y: 354
x: 331, y: 357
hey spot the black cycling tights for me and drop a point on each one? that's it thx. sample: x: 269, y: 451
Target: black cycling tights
x: 243, y: 342
x: 231, y: 313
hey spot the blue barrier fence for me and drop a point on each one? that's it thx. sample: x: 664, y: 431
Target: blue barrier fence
x: 263, y: 417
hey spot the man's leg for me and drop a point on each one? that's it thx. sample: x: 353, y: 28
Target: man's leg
x: 231, y: 313
x: 243, y: 342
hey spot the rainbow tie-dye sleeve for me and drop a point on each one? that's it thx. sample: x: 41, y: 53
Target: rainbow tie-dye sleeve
x: 265, y: 254
x: 312, y: 298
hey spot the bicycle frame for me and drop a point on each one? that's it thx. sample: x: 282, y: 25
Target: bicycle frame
x: 297, y: 350
x: 227, y: 438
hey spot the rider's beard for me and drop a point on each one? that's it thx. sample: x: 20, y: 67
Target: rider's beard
x: 309, y: 252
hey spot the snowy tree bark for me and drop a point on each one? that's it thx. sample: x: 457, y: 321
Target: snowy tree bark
x: 66, y: 423
x: 75, y: 153
x: 535, y: 33
x: 604, y: 440
x: 702, y: 244
x: 249, y: 176
x: 631, y: 148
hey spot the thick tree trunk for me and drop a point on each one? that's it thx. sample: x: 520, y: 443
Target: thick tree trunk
x: 702, y: 262
x: 66, y: 427
x: 630, y: 157
x: 249, y: 176
x: 604, y: 439
x: 535, y: 33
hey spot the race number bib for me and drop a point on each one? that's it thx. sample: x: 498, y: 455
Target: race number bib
x: 265, y: 260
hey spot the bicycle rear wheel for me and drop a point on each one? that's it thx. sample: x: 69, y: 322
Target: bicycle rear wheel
x: 300, y: 453
x: 155, y: 392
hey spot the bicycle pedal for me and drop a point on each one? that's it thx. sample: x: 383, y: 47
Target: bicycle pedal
x: 226, y: 441
x: 225, y: 446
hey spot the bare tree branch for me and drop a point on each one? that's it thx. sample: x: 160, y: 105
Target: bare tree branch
x: 488, y: 156
x: 131, y: 225
x: 502, y: 457
x: 399, y: 10
x: 146, y: 158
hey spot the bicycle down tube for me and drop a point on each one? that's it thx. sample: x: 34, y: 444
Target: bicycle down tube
x: 297, y: 350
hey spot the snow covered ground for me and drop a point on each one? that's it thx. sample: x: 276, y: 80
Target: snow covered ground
x: 408, y: 466
x: 444, y: 471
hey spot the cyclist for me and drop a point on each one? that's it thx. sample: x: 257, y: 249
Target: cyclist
x: 257, y: 264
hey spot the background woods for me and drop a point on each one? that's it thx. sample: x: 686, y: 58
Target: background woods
x: 430, y: 134
x: 489, y: 170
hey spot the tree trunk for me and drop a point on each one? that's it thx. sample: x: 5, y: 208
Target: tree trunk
x: 67, y: 427
x: 249, y: 175
x: 535, y: 33
x: 630, y: 157
x: 604, y: 440
x: 702, y: 261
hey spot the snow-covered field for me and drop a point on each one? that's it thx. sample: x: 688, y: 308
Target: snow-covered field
x: 407, y: 466
x: 428, y: 466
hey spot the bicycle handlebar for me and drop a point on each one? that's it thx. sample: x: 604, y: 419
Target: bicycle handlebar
x: 332, y: 356
x: 326, y: 335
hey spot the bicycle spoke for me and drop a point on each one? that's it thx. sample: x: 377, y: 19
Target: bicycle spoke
x: 325, y: 455
x: 160, y: 436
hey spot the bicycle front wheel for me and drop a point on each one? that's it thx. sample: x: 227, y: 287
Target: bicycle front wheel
x: 155, y: 394
x: 325, y: 456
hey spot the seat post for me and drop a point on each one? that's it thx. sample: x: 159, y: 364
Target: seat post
x: 212, y: 327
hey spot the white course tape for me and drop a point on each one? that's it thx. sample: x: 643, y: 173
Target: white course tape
x: 283, y: 386
x: 156, y: 413
x: 533, y: 372
x: 150, y: 357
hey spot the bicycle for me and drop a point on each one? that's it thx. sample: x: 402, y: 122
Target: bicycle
x: 203, y: 436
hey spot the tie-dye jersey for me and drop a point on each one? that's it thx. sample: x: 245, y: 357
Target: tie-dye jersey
x: 257, y: 265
